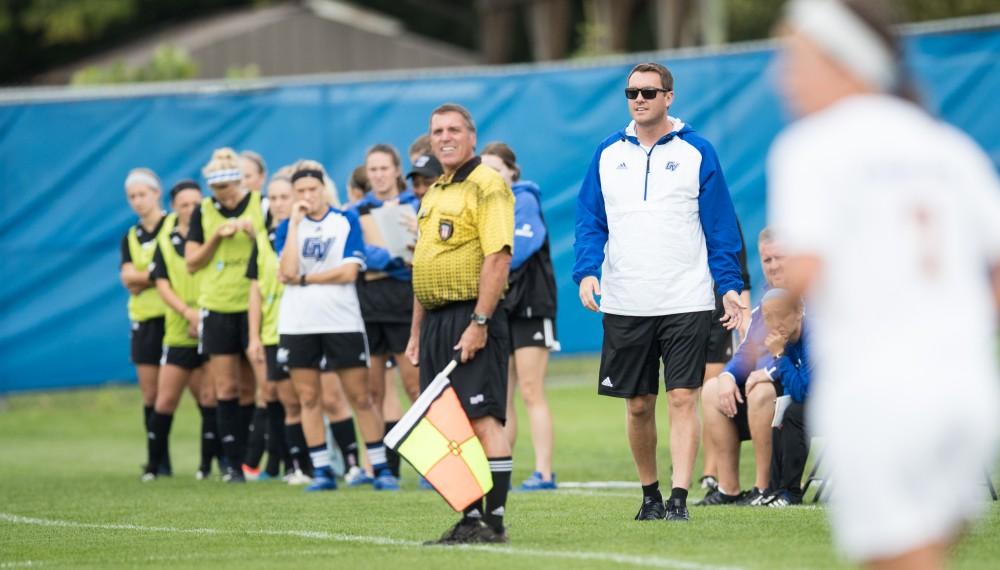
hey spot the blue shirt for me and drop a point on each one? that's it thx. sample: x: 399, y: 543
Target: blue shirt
x: 529, y: 228
x: 379, y: 258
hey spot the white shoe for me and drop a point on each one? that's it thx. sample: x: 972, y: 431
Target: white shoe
x: 298, y: 478
x: 356, y: 476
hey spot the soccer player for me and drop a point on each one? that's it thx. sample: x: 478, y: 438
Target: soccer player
x: 385, y: 290
x: 731, y: 413
x: 181, y: 364
x: 894, y: 237
x: 254, y: 171
x: 322, y: 253
x: 655, y: 199
x: 357, y: 185
x: 460, y: 270
x: 221, y: 238
x: 146, y: 308
x: 530, y: 304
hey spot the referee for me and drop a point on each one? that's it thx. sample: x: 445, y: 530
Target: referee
x: 460, y: 268
x: 655, y: 230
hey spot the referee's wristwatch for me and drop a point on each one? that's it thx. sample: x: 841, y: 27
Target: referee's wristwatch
x: 480, y: 320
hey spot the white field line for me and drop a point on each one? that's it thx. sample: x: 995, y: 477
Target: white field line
x: 21, y: 564
x: 615, y: 558
x: 599, y: 485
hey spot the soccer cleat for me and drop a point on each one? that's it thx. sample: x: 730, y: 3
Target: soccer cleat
x: 780, y: 500
x: 386, y: 481
x: 752, y: 498
x: 709, y: 482
x: 425, y: 484
x: 651, y: 510
x: 677, y: 510
x: 297, y: 477
x: 324, y: 480
x: 147, y: 477
x: 203, y: 473
x: 717, y: 497
x: 234, y: 476
x: 251, y: 474
x: 356, y: 476
x: 537, y: 483
x: 471, y: 531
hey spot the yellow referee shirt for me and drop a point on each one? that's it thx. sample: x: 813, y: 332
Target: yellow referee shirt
x: 463, y: 218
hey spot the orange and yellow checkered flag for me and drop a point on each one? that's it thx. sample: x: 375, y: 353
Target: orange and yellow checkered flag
x: 436, y: 438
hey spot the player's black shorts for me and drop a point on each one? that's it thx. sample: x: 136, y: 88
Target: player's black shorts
x: 633, y: 347
x: 223, y: 333
x: 325, y: 351
x: 186, y: 357
x: 147, y: 341
x: 720, y: 340
x: 387, y: 338
x: 277, y: 363
x: 481, y: 383
x: 536, y: 331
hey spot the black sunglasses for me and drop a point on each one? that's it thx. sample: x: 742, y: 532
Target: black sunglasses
x: 650, y: 93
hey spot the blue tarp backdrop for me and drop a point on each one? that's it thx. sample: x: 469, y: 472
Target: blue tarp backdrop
x: 62, y: 164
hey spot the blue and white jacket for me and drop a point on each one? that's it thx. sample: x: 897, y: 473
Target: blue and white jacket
x: 657, y: 226
x: 378, y: 258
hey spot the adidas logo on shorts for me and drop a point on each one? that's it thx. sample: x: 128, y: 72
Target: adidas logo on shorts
x: 607, y: 382
x: 538, y: 336
x: 477, y: 399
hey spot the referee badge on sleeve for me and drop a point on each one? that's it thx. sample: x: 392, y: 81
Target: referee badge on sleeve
x: 446, y: 229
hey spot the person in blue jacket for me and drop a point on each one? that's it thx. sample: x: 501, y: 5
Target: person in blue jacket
x: 530, y: 303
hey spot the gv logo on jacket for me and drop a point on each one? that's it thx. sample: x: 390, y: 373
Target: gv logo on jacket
x: 316, y: 248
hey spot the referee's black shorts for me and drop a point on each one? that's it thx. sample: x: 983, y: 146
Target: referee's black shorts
x: 633, y: 347
x: 146, y: 341
x: 481, y: 383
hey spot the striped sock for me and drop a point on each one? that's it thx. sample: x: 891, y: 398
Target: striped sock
x: 320, y: 457
x: 376, y: 456
x: 496, y: 499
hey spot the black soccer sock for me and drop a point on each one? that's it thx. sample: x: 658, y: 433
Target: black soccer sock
x: 297, y: 447
x: 347, y: 441
x: 229, y: 426
x: 209, y: 441
x: 276, y: 448
x: 474, y: 511
x: 147, y: 415
x: 652, y: 491
x: 256, y: 437
x: 245, y: 416
x: 391, y: 457
x: 679, y: 494
x: 159, y: 433
x: 496, y: 499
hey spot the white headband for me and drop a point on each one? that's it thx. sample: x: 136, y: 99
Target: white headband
x: 142, y: 178
x: 223, y: 176
x: 846, y: 38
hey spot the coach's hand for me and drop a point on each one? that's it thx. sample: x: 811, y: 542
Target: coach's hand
x: 729, y: 395
x: 473, y: 340
x: 734, y: 307
x: 413, y: 350
x: 589, y: 287
x: 756, y: 377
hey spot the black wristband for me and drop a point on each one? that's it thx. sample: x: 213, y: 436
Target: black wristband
x: 302, y: 280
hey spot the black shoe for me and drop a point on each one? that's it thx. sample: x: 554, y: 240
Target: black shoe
x: 752, y: 498
x: 651, y: 510
x: 709, y: 482
x: 470, y: 531
x: 677, y: 510
x: 234, y: 476
x: 717, y: 497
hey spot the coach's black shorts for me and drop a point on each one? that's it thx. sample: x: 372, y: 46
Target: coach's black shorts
x: 481, y: 383
x: 387, y: 338
x: 223, y: 333
x: 742, y: 417
x: 186, y: 357
x: 147, y: 341
x: 277, y: 363
x: 633, y: 347
x: 536, y: 331
x: 325, y: 351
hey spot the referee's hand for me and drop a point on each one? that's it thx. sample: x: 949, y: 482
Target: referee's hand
x: 473, y: 340
x: 589, y: 287
x: 734, y: 308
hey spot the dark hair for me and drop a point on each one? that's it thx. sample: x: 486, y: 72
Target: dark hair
x: 420, y: 145
x: 359, y: 179
x: 880, y: 16
x: 396, y: 160
x: 506, y: 154
x: 182, y: 186
x: 456, y: 108
x: 666, y: 78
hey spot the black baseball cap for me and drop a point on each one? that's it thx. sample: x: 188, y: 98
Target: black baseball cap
x: 426, y: 165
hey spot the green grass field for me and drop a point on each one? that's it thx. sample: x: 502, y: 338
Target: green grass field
x: 70, y: 496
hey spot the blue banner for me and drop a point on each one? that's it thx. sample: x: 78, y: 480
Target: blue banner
x: 62, y: 164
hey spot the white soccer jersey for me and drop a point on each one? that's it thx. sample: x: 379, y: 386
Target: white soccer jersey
x: 904, y: 214
x: 323, y: 245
